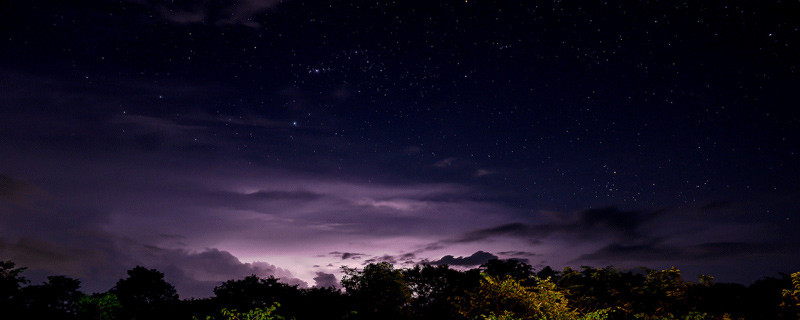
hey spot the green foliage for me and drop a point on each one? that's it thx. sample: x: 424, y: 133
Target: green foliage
x: 503, y: 316
x: 669, y: 316
x: 602, y: 289
x: 507, y: 298
x: 790, y: 304
x: 254, y: 314
x: 664, y: 293
x: 103, y: 306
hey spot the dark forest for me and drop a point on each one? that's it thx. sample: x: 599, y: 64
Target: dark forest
x: 498, y: 289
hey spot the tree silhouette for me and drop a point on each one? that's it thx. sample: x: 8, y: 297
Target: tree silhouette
x: 145, y: 294
x: 57, y: 298
x: 254, y: 292
x: 10, y: 284
x: 435, y: 290
x: 513, y: 268
x: 380, y: 291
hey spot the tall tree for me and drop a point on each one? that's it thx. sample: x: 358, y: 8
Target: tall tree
x: 56, y: 298
x: 254, y: 292
x: 145, y: 294
x: 435, y: 290
x: 380, y: 291
x: 510, y: 267
x: 11, y: 282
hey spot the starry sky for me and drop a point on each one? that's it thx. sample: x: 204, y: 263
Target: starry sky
x: 216, y: 139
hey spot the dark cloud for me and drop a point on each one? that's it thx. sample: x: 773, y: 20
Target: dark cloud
x: 514, y: 229
x: 385, y: 258
x: 264, y: 201
x: 281, y: 194
x: 347, y: 255
x: 407, y: 256
x: 172, y: 236
x: 592, y: 223
x: 518, y: 253
x: 17, y: 192
x: 475, y: 259
x: 10, y: 186
x: 655, y: 251
x: 609, y: 220
x: 326, y: 280
x: 520, y: 230
x: 38, y: 253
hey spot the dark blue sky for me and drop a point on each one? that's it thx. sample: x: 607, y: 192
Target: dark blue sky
x: 291, y: 137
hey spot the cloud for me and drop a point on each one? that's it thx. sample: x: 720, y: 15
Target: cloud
x: 518, y: 254
x: 195, y: 274
x: 609, y: 220
x: 394, y: 204
x: 412, y: 150
x: 326, y: 280
x: 483, y: 172
x: 18, y: 192
x: 401, y: 259
x: 513, y: 229
x: 99, y: 265
x: 407, y: 256
x: 10, y: 186
x: 384, y: 258
x: 475, y: 259
x: 172, y: 236
x: 517, y: 230
x: 592, y: 223
x: 145, y: 124
x: 236, y: 12
x: 347, y: 255
x: 446, y: 162
x: 655, y: 251
x: 264, y: 195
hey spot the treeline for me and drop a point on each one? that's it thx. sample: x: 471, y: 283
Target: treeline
x: 499, y: 289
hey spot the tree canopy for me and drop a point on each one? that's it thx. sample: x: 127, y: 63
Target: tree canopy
x: 497, y: 290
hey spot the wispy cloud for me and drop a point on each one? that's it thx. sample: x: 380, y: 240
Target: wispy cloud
x: 446, y: 162
x: 237, y: 12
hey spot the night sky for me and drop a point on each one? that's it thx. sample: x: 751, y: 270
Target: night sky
x: 217, y: 139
